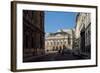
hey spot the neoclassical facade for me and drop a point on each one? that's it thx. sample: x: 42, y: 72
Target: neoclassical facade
x: 33, y: 33
x: 83, y: 33
x: 62, y: 39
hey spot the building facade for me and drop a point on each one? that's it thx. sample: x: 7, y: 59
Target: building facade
x: 62, y: 39
x: 83, y: 33
x: 33, y: 33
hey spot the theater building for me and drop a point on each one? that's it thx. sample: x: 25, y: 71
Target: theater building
x: 62, y: 39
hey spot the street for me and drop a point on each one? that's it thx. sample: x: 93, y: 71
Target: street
x: 54, y: 57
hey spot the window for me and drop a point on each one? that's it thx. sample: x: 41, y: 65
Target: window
x: 26, y: 42
x: 69, y: 40
x: 51, y: 43
x: 33, y: 42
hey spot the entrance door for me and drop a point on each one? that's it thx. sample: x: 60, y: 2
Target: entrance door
x: 83, y: 41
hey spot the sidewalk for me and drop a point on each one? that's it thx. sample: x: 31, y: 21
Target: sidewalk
x: 35, y: 57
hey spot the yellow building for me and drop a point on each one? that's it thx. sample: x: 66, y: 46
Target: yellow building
x: 62, y: 39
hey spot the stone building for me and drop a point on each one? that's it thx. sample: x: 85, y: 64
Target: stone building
x: 62, y: 39
x: 33, y: 33
x: 83, y: 33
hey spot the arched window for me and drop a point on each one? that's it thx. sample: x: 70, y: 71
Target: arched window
x: 51, y: 43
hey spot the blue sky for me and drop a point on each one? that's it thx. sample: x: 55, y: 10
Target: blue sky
x: 59, y: 20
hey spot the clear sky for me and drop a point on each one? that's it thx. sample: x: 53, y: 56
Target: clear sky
x: 59, y: 20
